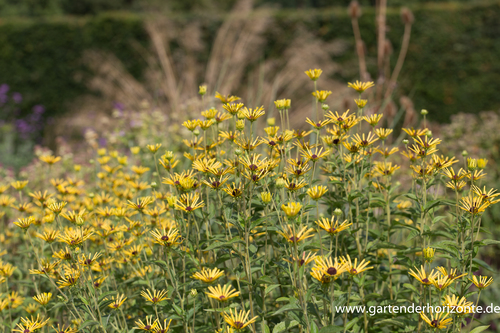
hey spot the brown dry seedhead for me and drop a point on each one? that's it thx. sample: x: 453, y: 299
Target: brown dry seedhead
x: 354, y: 9
x: 407, y: 15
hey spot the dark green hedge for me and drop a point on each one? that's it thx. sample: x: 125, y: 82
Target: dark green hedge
x: 42, y: 58
x: 452, y: 65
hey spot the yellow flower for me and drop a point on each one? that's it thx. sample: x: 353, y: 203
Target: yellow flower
x: 332, y: 226
x: 24, y: 223
x: 202, y: 90
x: 139, y: 170
x: 292, y: 208
x: 150, y: 325
x: 438, y: 320
x: 474, y: 204
x: 166, y: 238
x: 154, y: 148
x: 189, y: 202
x: 360, y: 86
x: 155, y: 297
x: 321, y: 95
x: 422, y: 276
x: 481, y: 282
x: 208, y: 275
x: 30, y: 325
x: 253, y: 114
x: 317, y: 192
x: 293, y: 237
x: 135, y: 150
x: 233, y: 108
x: 364, y: 142
x: 355, y: 269
x: 164, y: 328
x: 361, y: 103
x: 43, y: 298
x: 70, y: 279
x: 314, y: 74
x: 57, y: 207
x: 141, y: 203
x: 226, y: 98
x: 75, y: 237
x: 315, y: 155
x: 282, y: 104
x: 222, y: 294
x: 304, y: 260
x: 441, y: 282
x: 331, y: 268
x: 385, y: 168
x: 234, y: 191
x: 319, y: 124
x: 460, y: 306
x: 50, y: 159
x: 383, y: 133
x: 19, y: 185
x: 61, y: 329
x: 238, y: 320
x: 373, y: 119
x: 453, y: 275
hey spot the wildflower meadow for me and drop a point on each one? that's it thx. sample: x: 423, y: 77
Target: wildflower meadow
x: 240, y: 223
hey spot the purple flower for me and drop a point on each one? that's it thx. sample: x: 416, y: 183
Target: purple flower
x: 17, y: 97
x: 102, y: 142
x: 4, y: 88
x: 118, y: 106
x: 38, y: 109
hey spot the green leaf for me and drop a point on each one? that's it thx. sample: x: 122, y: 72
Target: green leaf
x: 83, y: 300
x: 270, y: 288
x: 162, y: 264
x: 479, y: 329
x: 484, y: 265
x: 391, y: 322
x: 287, y: 307
x: 284, y: 326
x: 88, y: 323
x: 178, y: 310
x: 314, y: 328
x: 411, y: 287
x: 331, y: 329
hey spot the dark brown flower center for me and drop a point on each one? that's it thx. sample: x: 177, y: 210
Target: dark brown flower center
x: 331, y: 271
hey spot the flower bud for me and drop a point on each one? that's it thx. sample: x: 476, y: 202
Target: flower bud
x: 196, y: 132
x: 424, y: 112
x: 266, y: 197
x: 271, y: 121
x: 169, y: 155
x: 325, y: 107
x: 238, y: 152
x: 202, y: 90
x: 471, y: 164
x: 337, y: 212
x: 481, y: 163
x: 429, y: 254
x: 280, y: 183
x: 240, y: 125
x: 405, y: 141
x: 154, y: 185
x: 465, y: 153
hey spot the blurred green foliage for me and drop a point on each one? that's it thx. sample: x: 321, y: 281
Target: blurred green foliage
x: 450, y: 67
x: 42, y: 58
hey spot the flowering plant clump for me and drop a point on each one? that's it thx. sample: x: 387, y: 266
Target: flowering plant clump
x: 244, y: 229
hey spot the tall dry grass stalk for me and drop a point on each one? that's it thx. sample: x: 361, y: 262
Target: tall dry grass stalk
x: 236, y: 65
